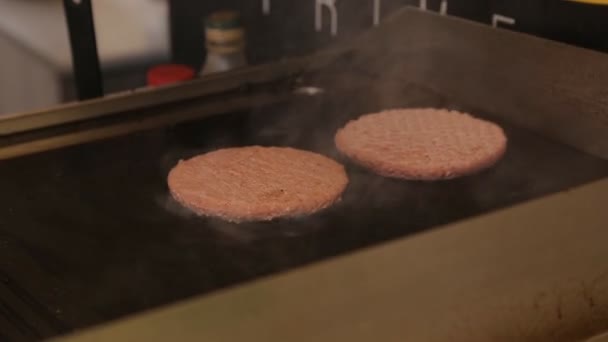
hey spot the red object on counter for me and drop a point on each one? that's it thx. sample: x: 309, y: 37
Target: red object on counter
x: 169, y: 73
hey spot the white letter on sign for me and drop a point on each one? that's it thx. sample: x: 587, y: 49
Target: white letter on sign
x: 266, y: 7
x: 443, y: 10
x: 376, y: 12
x: 331, y: 6
x: 497, y: 18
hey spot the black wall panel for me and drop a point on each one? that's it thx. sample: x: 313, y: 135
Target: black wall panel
x: 289, y: 28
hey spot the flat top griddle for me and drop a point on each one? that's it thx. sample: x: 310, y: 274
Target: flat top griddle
x: 90, y: 233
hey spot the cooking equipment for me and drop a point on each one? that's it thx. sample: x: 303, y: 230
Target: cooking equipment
x: 90, y: 233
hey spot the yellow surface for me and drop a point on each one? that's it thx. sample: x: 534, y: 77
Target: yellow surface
x: 594, y: 2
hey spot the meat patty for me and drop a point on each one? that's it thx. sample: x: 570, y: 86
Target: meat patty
x: 257, y: 183
x: 422, y: 144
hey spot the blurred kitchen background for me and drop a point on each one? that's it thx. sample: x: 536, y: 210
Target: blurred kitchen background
x: 134, y: 35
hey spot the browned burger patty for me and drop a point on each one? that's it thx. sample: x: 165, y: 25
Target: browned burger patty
x: 257, y: 183
x: 422, y: 144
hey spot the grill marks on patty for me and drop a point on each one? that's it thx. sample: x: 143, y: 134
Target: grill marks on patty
x: 422, y: 144
x: 262, y: 183
x: 257, y: 183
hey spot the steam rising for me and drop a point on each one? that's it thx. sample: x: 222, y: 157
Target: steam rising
x: 309, y: 122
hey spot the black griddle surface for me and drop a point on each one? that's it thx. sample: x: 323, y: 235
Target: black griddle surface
x: 90, y: 233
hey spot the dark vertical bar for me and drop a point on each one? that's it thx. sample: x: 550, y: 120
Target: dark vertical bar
x: 85, y: 60
x: 186, y: 27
